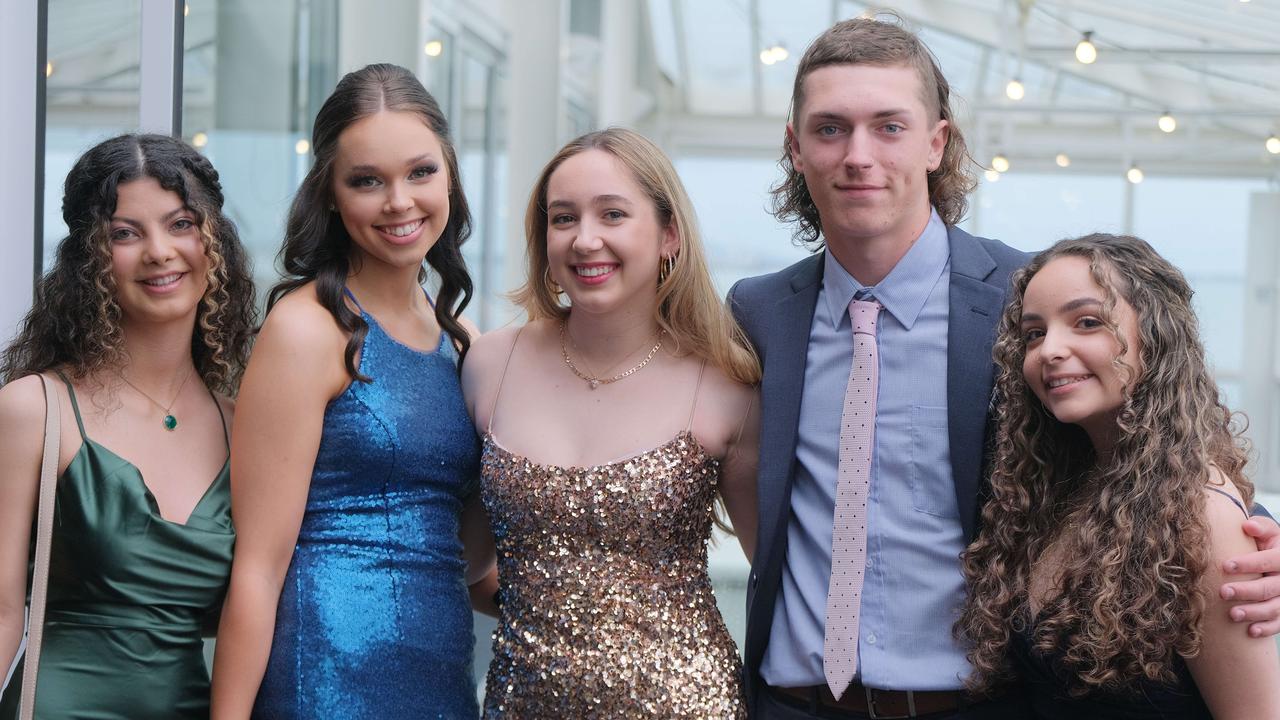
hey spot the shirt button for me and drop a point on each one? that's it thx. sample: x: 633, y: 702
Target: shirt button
x: 871, y: 639
x: 870, y: 563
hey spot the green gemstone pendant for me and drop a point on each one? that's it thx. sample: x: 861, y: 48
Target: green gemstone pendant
x: 170, y: 422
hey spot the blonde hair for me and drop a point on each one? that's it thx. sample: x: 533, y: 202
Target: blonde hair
x: 688, y: 307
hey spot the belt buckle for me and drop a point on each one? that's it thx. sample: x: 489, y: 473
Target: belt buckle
x: 874, y: 713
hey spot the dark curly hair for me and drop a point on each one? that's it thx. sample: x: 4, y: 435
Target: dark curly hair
x: 74, y: 322
x: 868, y: 41
x: 316, y: 244
x: 1129, y: 531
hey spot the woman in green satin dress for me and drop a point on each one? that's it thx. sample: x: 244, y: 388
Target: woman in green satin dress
x: 145, y: 318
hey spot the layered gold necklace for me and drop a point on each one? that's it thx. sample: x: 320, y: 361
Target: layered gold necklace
x: 595, y: 382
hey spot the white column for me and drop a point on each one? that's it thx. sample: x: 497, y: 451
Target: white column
x: 536, y: 117
x: 160, y: 67
x: 22, y: 53
x: 1260, y: 372
x: 377, y: 32
x: 619, y: 23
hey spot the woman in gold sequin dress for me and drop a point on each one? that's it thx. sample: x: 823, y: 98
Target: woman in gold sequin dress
x: 612, y: 422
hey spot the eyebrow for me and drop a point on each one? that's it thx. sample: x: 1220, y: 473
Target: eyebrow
x: 410, y: 162
x: 1066, y: 308
x: 879, y: 115
x: 167, y: 216
x: 598, y: 199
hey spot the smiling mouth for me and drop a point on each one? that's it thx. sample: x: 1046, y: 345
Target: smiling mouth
x: 1064, y: 381
x: 593, y: 270
x: 163, y: 280
x: 402, y: 230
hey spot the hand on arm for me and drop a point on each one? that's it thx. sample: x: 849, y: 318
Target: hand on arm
x: 477, y: 550
x: 1238, y: 675
x: 296, y: 368
x: 22, y: 412
x: 1258, y: 599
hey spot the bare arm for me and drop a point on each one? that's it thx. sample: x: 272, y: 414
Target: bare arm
x: 1258, y: 599
x: 738, y: 477
x: 296, y: 368
x: 21, y: 443
x: 477, y: 550
x: 1238, y: 675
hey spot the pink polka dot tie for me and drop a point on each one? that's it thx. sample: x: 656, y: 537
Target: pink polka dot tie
x: 849, y: 533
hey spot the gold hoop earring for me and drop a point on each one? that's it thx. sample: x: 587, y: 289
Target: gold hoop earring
x: 665, y: 267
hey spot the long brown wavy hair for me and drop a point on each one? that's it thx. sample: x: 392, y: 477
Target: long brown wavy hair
x: 1130, y: 531
x: 868, y: 41
x: 74, y: 323
x: 689, y: 308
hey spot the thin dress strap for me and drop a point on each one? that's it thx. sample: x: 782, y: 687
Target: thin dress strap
x: 1230, y: 497
x: 696, y: 388
x: 351, y: 295
x: 493, y: 410
x: 75, y: 406
x: 226, y: 434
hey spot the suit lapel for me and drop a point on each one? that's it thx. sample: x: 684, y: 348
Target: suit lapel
x: 784, y: 362
x: 975, y: 307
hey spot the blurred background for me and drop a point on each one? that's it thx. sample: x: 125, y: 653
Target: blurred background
x: 1152, y: 117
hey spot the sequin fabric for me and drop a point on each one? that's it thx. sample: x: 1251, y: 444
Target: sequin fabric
x: 374, y: 621
x: 606, y: 607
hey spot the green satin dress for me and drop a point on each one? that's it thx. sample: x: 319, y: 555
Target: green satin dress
x: 129, y: 593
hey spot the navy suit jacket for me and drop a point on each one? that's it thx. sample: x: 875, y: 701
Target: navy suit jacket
x: 776, y: 312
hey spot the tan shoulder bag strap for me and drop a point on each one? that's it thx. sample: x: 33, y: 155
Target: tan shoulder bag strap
x: 44, y: 534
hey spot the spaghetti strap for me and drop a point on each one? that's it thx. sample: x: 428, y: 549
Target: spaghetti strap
x: 351, y: 295
x: 1235, y: 501
x: 689, y: 425
x: 75, y: 406
x: 226, y: 434
x: 493, y: 410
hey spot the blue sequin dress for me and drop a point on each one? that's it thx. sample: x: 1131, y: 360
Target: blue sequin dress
x: 374, y: 618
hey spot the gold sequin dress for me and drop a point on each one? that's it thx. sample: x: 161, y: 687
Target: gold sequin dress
x: 606, y: 607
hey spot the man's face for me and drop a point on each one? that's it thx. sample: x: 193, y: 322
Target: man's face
x: 865, y: 142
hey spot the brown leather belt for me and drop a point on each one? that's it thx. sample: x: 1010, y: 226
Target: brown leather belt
x: 876, y: 704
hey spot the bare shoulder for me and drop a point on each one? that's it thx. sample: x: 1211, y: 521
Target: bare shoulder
x: 486, y: 360
x: 22, y: 405
x: 300, y: 321
x: 733, y: 397
x: 1225, y: 517
x: 227, y: 405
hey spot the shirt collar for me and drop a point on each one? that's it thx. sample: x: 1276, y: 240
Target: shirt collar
x: 904, y: 291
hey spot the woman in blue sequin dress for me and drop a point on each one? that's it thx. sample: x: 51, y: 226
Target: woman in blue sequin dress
x: 354, y: 460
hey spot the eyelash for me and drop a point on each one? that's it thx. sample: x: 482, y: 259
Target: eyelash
x: 122, y: 234
x: 422, y: 172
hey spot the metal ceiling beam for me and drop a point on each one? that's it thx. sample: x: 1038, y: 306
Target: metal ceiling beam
x: 1051, y: 54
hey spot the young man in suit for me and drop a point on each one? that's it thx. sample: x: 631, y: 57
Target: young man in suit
x: 876, y: 393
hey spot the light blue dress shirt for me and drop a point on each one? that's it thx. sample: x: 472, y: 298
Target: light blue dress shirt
x: 913, y: 588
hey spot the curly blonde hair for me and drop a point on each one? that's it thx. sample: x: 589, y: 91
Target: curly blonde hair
x: 870, y: 41
x: 1130, y: 530
x: 74, y: 323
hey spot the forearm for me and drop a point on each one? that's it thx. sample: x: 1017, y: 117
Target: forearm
x: 484, y: 594
x: 243, y: 647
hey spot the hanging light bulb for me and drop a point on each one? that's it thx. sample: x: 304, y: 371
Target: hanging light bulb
x: 991, y: 176
x: 1062, y: 160
x: 774, y: 54
x: 1273, y: 145
x: 433, y: 48
x: 1000, y: 163
x: 200, y: 139
x: 1135, y: 174
x: 1014, y: 90
x: 1167, y: 122
x: 1086, y: 51
x: 48, y: 68
x: 302, y: 147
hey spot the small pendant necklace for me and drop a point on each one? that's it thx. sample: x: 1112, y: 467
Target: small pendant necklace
x: 170, y: 422
x: 595, y: 382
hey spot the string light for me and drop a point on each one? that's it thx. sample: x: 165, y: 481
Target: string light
x: 1086, y: 51
x: 1135, y: 174
x: 1273, y: 145
x: 1167, y: 122
x: 774, y: 54
x: 1062, y: 160
x: 991, y: 176
x: 200, y: 139
x: 433, y: 48
x: 301, y: 147
x: 1014, y: 90
x: 48, y: 68
x: 1000, y: 163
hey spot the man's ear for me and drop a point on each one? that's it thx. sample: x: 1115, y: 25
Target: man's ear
x: 938, y: 143
x: 793, y: 147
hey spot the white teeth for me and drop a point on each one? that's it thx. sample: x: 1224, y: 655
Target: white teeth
x: 1059, y: 382
x: 162, y: 281
x: 594, y: 271
x: 401, y: 230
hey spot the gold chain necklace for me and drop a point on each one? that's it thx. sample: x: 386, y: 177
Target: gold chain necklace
x: 596, y: 382
x: 170, y: 422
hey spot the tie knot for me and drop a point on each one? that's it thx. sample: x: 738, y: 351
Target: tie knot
x: 864, y: 314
